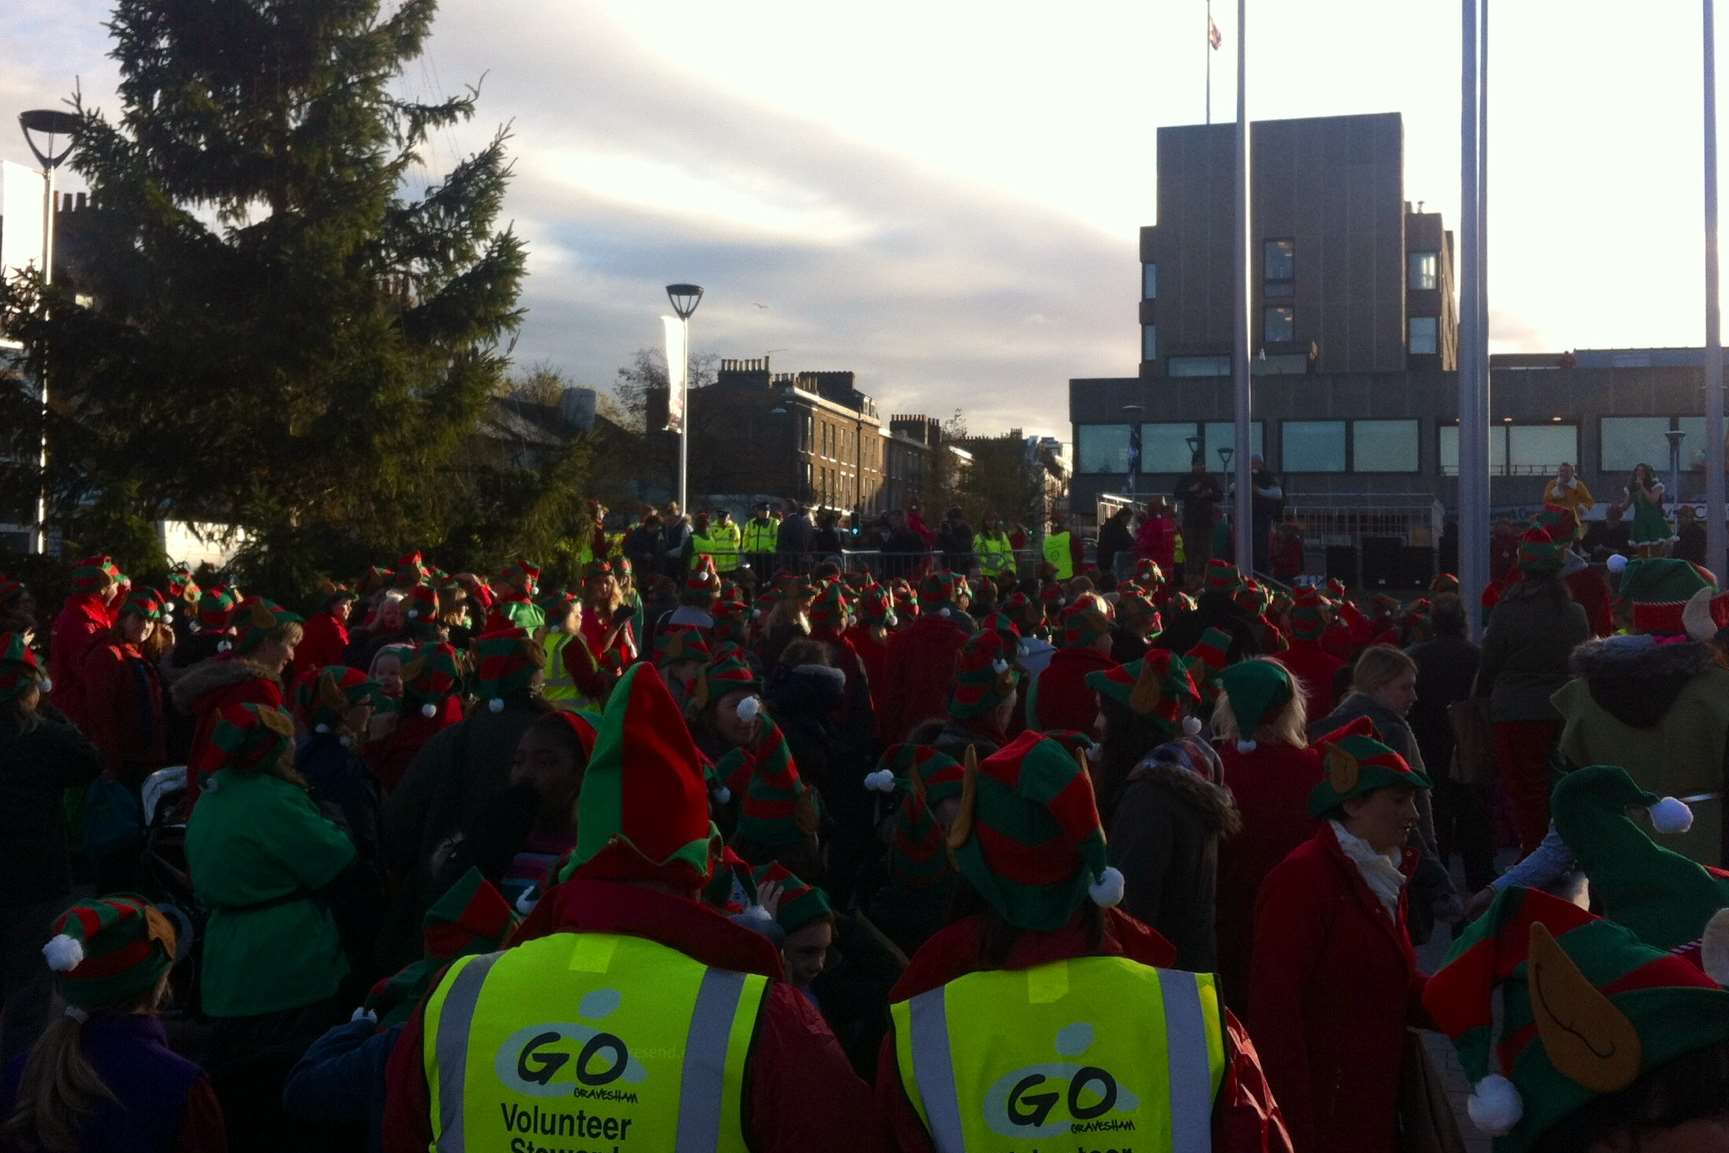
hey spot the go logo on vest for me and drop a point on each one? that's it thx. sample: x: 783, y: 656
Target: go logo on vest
x: 1044, y: 1100
x: 570, y: 1059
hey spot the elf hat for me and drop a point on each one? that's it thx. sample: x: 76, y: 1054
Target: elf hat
x: 1258, y: 691
x: 702, y: 584
x: 1054, y: 598
x: 20, y: 668
x: 1223, y: 576
x: 215, y: 609
x: 556, y: 606
x: 1358, y: 763
x: 778, y: 809
x: 985, y: 675
x: 1208, y: 658
x: 1027, y: 837
x: 875, y: 606
x: 731, y: 622
x: 1444, y: 584
x: 1336, y: 589
x: 937, y: 593
x: 478, y: 590
x: 179, y: 584
x: 1558, y: 521
x: 110, y: 951
x: 1182, y: 602
x: 1148, y: 574
x: 255, y: 618
x: 332, y: 593
x: 506, y: 662
x: 829, y: 613
x: 1539, y: 554
x: 1657, y: 893
x: 642, y: 814
x: 1157, y: 686
x: 409, y: 570
x: 1085, y: 623
x: 421, y: 604
x: 1659, y: 589
x: 924, y: 778
x: 252, y: 737
x: 523, y: 575
x: 724, y: 676
x: 1004, y: 626
x: 430, y: 677
x: 907, y: 606
x: 1136, y: 612
x: 148, y: 604
x: 324, y: 700
x: 94, y: 573
x: 472, y: 917
x: 1550, y: 1007
x: 800, y: 904
x: 677, y: 644
x: 1706, y: 614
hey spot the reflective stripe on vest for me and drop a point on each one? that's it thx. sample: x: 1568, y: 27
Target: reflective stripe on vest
x: 589, y: 1040
x: 560, y: 687
x: 996, y: 555
x: 760, y: 537
x: 724, y: 539
x: 999, y: 1061
x: 1057, y: 555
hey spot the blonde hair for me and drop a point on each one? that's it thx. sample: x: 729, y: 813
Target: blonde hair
x: 1380, y: 665
x: 1290, y: 727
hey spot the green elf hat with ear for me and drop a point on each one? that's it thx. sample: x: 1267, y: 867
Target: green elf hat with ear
x: 94, y: 573
x: 215, y: 610
x: 703, y: 582
x: 255, y: 618
x: 110, y: 951
x: 924, y: 778
x: 1085, y: 623
x: 800, y: 904
x: 1356, y: 762
x: 985, y: 675
x: 20, y: 668
x: 1258, y: 691
x: 678, y: 644
x: 1558, y: 521
x: 731, y: 620
x: 642, y: 814
x: 472, y: 917
x: 251, y: 736
x: 148, y: 604
x: 524, y: 575
x: 505, y: 663
x: 1551, y: 1008
x: 1158, y: 686
x: 1136, y: 611
x: 1659, y: 589
x: 1208, y: 658
x: 430, y: 677
x: 828, y: 614
x: 1027, y: 837
x: 726, y: 675
x: 876, y: 606
x: 906, y: 602
x: 778, y: 808
x: 1223, y: 576
x: 1004, y: 626
x: 325, y: 699
x: 1659, y: 894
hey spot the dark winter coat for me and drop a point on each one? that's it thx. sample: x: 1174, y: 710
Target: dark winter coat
x: 853, y: 991
x: 1334, y: 985
x: 1165, y: 829
x: 1114, y: 538
x: 1215, y: 610
x: 794, y: 540
x: 123, y: 709
x: 956, y: 537
x: 341, y: 781
x: 340, y: 1083
x: 1446, y: 667
x: 36, y: 769
x: 1525, y: 651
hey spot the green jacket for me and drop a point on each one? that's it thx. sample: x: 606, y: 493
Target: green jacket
x: 254, y: 842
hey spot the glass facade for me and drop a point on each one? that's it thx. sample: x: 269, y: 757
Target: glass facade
x: 1385, y: 446
x: 1279, y: 324
x: 1103, y: 448
x: 1165, y: 447
x: 1541, y: 449
x: 1198, y: 366
x: 1149, y: 342
x: 1629, y: 440
x: 1313, y: 445
x: 1425, y: 335
x: 1281, y: 266
x: 1223, y: 434
x: 1425, y: 270
x: 1149, y: 282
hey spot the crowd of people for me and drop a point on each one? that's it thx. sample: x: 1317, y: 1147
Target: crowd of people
x: 739, y: 843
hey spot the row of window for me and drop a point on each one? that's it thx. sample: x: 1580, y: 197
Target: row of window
x: 1279, y: 271
x: 1278, y: 325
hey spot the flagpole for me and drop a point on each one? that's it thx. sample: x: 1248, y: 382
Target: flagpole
x: 1208, y: 48
x: 1473, y: 435
x: 1714, y: 481
x: 1243, y: 526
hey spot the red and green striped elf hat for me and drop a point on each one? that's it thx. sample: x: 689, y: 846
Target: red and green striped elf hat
x: 1085, y: 622
x: 421, y: 604
x: 20, y: 668
x: 506, y: 663
x: 523, y: 575
x: 1158, y: 686
x: 679, y: 644
x: 410, y: 569
x: 255, y: 618
x: 148, y: 604
x: 1444, y: 584
x: 332, y: 593
x: 1149, y: 575
x: 985, y: 675
x: 1308, y: 616
x: 1223, y: 577
x: 702, y: 583
x: 731, y: 620
x: 907, y: 606
x: 778, y: 809
x: 1053, y: 597
x: 1551, y: 1008
x: 925, y: 778
x: 215, y: 610
x: 324, y: 700
x: 1138, y: 614
x: 1659, y: 589
x: 110, y: 951
x: 1027, y: 836
x: 800, y: 904
x: 479, y: 591
x: 1183, y: 602
x: 724, y: 676
x: 828, y: 613
x: 875, y: 606
x: 472, y: 917
x: 180, y: 585
x: 94, y: 573
x: 1558, y: 521
x: 1208, y: 659
x: 938, y: 593
x: 1336, y: 588
x: 430, y: 677
x: 1003, y: 624
x: 1540, y: 553
x: 1356, y: 762
x: 252, y: 737
x: 642, y: 814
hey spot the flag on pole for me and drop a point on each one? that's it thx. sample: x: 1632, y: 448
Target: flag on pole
x: 677, y: 365
x: 1214, y: 36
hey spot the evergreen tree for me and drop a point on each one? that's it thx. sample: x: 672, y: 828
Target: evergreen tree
x: 280, y: 335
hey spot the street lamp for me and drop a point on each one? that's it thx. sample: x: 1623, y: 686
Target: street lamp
x: 685, y: 298
x: 1675, y: 436
x: 47, y: 123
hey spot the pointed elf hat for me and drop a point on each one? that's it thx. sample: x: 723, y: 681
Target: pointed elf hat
x: 985, y: 675
x: 110, y: 951
x: 215, y: 609
x: 1308, y: 616
x: 324, y: 700
x: 1208, y: 659
x: 409, y: 569
x: 1085, y: 622
x: 1356, y: 762
x: 1659, y: 894
x: 523, y: 574
x: 1136, y: 611
x: 703, y: 582
x: 1444, y: 584
x: 94, y: 573
x: 430, y: 677
x: 478, y: 590
x: 726, y: 675
x: 1027, y: 837
x: 20, y: 668
x: 1550, y: 1008
x: 331, y: 592
x: 251, y: 737
x: 1222, y: 576
x: 1004, y: 626
x: 779, y: 809
x: 800, y: 904
x: 875, y: 606
x: 828, y: 614
x: 505, y: 664
x: 924, y: 778
x: 179, y: 584
x: 1540, y: 553
x: 472, y: 917
x: 642, y: 814
x: 679, y: 644
x: 1659, y: 589
x: 148, y: 604
x: 1148, y: 574
x: 937, y: 593
x: 907, y: 606
x: 1053, y: 596
x: 1706, y: 614
x: 421, y: 604
x: 255, y: 618
x: 731, y: 619
x: 1158, y: 687
x: 1558, y: 521
x: 1258, y: 691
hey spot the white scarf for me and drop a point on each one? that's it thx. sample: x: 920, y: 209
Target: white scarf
x: 1380, y: 870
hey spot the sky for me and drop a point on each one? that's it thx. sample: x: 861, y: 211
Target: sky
x: 945, y: 198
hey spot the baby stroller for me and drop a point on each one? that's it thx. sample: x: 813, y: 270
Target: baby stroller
x: 171, y: 884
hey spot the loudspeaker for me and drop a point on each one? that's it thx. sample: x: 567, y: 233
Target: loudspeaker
x: 1342, y: 563
x: 1381, y: 556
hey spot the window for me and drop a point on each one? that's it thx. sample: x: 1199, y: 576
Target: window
x: 804, y: 477
x: 1198, y: 366
x: 1279, y: 271
x: 1449, y: 450
x: 1149, y: 342
x: 1149, y: 282
x: 1223, y: 434
x: 1102, y: 448
x: 1540, y: 449
x: 1279, y: 325
x: 1384, y: 446
x: 1631, y: 440
x: 804, y: 440
x: 1424, y: 335
x: 1313, y: 445
x: 1425, y: 271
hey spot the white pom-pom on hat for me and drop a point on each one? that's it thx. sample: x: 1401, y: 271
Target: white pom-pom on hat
x: 722, y: 795
x: 321, y: 728
x: 63, y: 953
x: 224, y: 646
x: 749, y: 708
x: 363, y: 1014
x: 1617, y: 563
x: 1095, y: 754
x: 527, y: 901
x: 1191, y: 726
x: 1714, y: 947
x: 1247, y: 746
x: 1495, y: 1105
x: 943, y: 613
x: 880, y: 781
x: 47, y: 685
x: 999, y: 666
x: 1107, y: 891
x: 496, y: 705
x: 1671, y: 815
x: 429, y: 710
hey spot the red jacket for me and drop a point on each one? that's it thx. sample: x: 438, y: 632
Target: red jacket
x: 1157, y: 542
x: 1271, y: 786
x: 1245, y: 1118
x: 1590, y: 588
x: 325, y: 643
x: 1316, y: 668
x: 390, y: 756
x: 1061, y: 699
x: 921, y: 671
x: 123, y: 714
x: 875, y: 656
x: 1333, y: 987
x: 77, y: 629
x: 208, y: 688
x: 800, y: 1092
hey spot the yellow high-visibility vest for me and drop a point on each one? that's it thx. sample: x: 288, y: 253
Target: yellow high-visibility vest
x: 1002, y: 1061
x: 1057, y: 554
x: 560, y: 689
x: 996, y: 554
x: 761, y: 536
x: 724, y: 541
x: 589, y: 1040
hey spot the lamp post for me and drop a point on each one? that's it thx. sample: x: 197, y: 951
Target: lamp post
x: 48, y: 123
x: 1675, y: 436
x: 685, y: 298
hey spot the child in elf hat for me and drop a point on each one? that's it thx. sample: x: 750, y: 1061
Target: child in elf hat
x: 103, y: 1076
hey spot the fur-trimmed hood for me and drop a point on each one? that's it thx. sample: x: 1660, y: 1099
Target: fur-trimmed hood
x: 214, y: 675
x: 1211, y: 804
x: 1636, y: 680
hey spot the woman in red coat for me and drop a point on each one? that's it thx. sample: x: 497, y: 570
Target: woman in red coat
x: 870, y: 637
x: 1261, y: 724
x: 123, y: 714
x: 1334, y: 982
x: 430, y: 683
